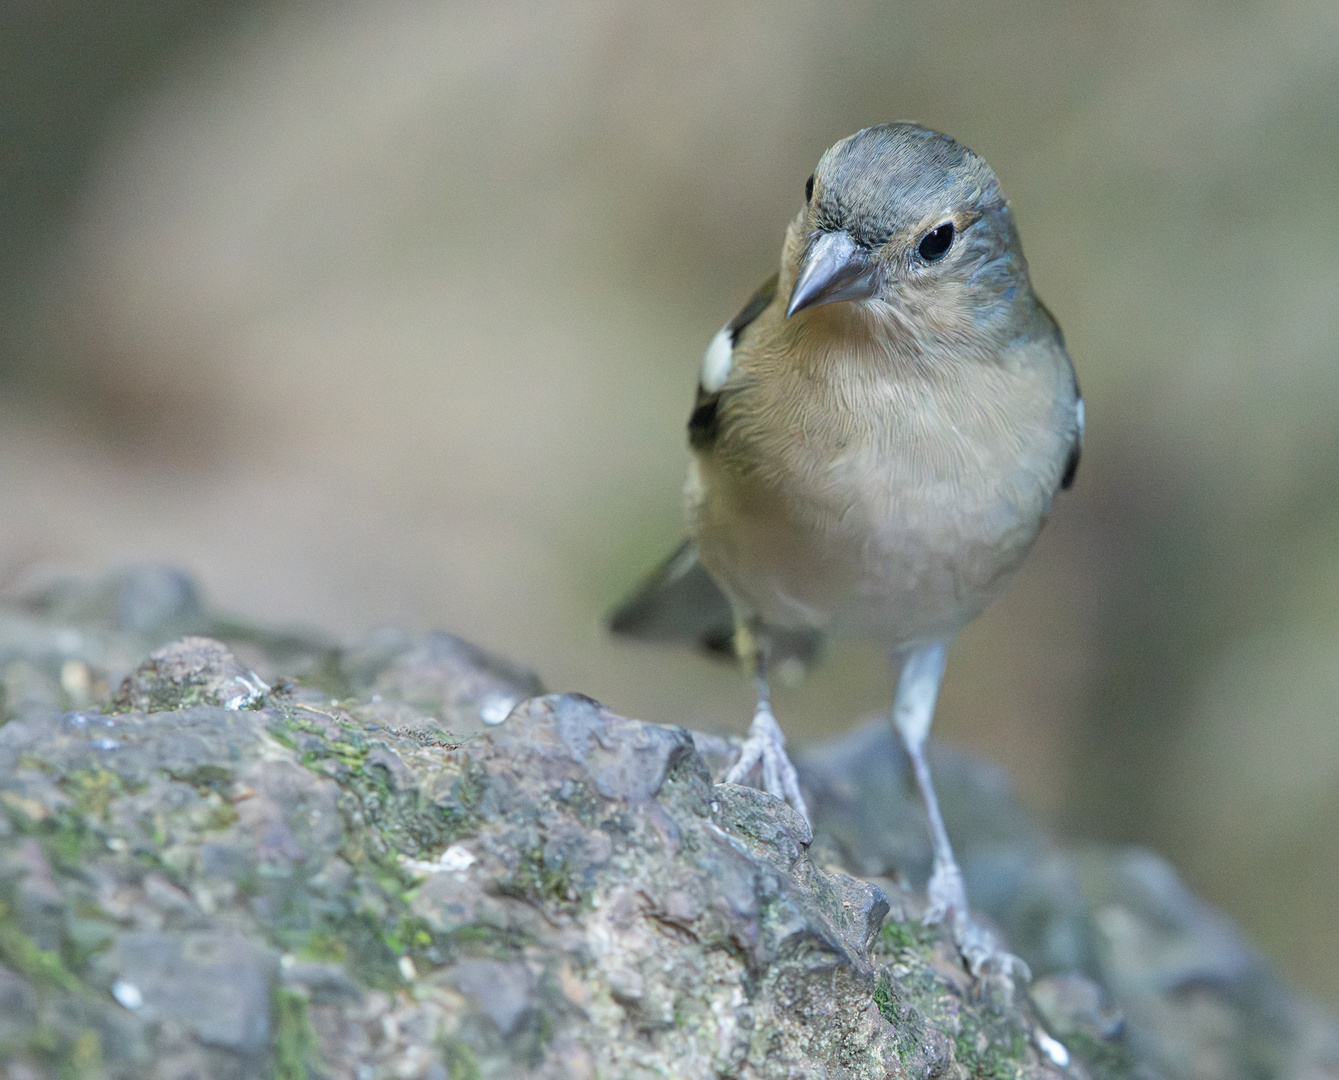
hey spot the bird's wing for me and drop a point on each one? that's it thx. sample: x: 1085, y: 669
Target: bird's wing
x: 1076, y: 448
x: 680, y: 601
x: 717, y: 364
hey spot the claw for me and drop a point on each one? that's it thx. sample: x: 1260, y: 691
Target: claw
x: 984, y: 955
x: 767, y: 743
x: 947, y: 895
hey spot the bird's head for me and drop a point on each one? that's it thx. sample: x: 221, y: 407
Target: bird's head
x: 897, y: 213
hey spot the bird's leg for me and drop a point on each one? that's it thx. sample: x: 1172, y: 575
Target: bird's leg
x: 767, y: 743
x: 913, y: 709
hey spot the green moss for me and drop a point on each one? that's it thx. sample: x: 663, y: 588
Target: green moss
x: 76, y: 832
x: 907, y: 1021
x: 1106, y: 1060
x: 44, y: 1043
x: 221, y: 815
x: 884, y: 1000
x: 323, y: 948
x: 370, y: 946
x: 382, y: 821
x: 295, y: 1046
x: 204, y: 778
x: 93, y: 791
x: 67, y: 842
x: 84, y: 938
x: 83, y: 1058
x: 475, y: 934
x: 538, y: 880
x: 411, y: 936
x: 412, y: 933
x: 150, y: 690
x: 468, y: 790
x: 298, y: 722
x: 896, y: 936
x: 85, y: 930
x: 990, y: 1046
x: 43, y: 967
x: 459, y: 1059
x: 368, y: 957
x: 247, y: 880
x: 76, y: 1056
x: 481, y: 940
x: 351, y: 753
x: 527, y: 1043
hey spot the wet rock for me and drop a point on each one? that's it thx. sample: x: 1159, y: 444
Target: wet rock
x: 192, y: 671
x: 437, y: 675
x: 358, y: 874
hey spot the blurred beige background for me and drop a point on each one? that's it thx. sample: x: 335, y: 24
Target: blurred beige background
x: 380, y: 311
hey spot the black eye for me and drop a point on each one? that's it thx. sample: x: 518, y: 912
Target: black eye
x: 809, y: 188
x: 937, y: 241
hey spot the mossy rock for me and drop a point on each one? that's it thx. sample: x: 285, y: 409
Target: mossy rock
x: 350, y: 864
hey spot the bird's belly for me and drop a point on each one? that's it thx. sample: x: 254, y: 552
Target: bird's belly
x: 921, y: 577
x: 889, y: 562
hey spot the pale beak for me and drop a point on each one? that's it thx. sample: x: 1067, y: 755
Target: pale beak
x: 834, y: 268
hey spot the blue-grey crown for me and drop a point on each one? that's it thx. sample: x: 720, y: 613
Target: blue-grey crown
x: 883, y: 179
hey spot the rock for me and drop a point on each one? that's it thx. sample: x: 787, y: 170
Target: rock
x: 141, y: 598
x: 438, y: 675
x: 1120, y: 946
x: 215, y: 983
x: 359, y: 874
x: 192, y: 671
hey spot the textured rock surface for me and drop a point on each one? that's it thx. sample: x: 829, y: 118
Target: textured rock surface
x: 280, y: 858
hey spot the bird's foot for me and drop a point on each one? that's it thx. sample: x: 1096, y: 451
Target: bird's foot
x: 767, y: 744
x: 978, y: 946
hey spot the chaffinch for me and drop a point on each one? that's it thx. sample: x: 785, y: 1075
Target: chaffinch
x: 877, y: 439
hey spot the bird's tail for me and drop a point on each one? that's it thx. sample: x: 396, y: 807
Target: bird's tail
x: 679, y: 601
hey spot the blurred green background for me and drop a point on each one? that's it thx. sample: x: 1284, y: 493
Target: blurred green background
x: 391, y: 312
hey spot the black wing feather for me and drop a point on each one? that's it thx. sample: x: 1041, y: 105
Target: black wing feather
x: 756, y: 306
x: 703, y: 424
x: 1071, y: 466
x: 678, y: 601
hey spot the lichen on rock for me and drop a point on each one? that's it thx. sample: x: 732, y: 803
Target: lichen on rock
x: 192, y: 671
x: 365, y: 872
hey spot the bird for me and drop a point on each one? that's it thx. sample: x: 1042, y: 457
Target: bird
x: 877, y: 439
